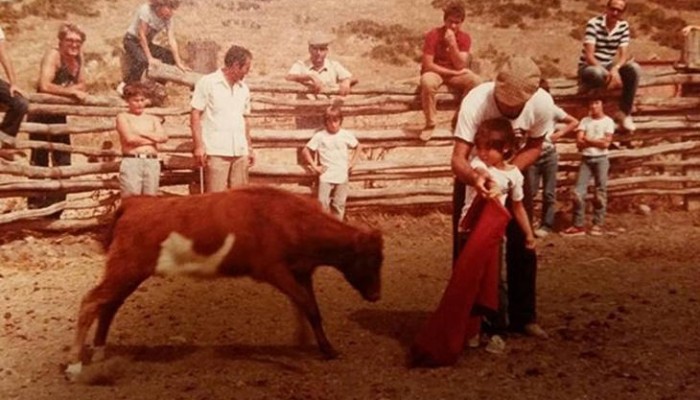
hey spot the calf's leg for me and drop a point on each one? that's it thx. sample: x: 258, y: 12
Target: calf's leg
x: 300, y: 291
x: 103, y: 300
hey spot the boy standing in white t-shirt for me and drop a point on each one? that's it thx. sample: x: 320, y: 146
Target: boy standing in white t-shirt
x: 332, y: 145
x: 593, y: 137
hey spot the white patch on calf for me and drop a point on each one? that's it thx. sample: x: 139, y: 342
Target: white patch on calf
x: 177, y: 257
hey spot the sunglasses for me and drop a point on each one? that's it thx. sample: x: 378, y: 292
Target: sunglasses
x: 73, y: 41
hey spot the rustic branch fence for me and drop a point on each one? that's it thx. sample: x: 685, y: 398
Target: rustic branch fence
x: 664, y: 159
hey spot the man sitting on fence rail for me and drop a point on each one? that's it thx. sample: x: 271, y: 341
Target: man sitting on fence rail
x: 445, y: 61
x: 220, y: 130
x: 605, y: 61
x: 318, y: 72
x: 10, y: 96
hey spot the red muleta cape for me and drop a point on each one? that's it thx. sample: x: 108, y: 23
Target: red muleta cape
x: 474, y: 281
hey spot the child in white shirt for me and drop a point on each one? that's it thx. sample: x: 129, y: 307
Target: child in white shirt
x: 593, y: 137
x: 332, y: 145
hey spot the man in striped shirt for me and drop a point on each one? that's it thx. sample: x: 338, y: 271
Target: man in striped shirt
x: 605, y: 60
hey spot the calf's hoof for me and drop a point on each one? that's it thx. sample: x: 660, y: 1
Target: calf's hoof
x: 330, y: 353
x: 73, y: 371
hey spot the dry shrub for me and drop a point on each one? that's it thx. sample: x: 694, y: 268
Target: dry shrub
x: 662, y: 29
x: 60, y: 9
x: 397, y: 44
x: 685, y: 5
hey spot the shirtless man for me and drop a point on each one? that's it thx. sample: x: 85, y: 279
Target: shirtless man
x: 139, y: 135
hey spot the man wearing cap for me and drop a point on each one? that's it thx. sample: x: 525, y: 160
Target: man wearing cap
x: 318, y: 72
x: 445, y: 61
x: 605, y: 60
x: 514, y: 95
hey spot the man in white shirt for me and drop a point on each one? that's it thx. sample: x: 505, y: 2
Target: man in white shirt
x: 220, y: 130
x: 318, y: 72
x: 515, y: 95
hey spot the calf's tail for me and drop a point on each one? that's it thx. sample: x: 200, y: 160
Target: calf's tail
x: 109, y: 234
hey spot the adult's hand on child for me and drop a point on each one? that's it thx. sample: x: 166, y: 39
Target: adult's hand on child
x: 530, y: 243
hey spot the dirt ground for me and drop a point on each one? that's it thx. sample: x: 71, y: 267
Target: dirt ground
x: 622, y: 312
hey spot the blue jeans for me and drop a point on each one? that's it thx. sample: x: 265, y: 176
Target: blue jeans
x: 597, y: 167
x: 594, y: 77
x: 545, y: 168
x: 336, y: 206
x: 17, y: 107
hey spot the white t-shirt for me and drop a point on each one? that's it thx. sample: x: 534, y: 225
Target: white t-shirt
x: 224, y: 106
x: 509, y: 181
x: 330, y: 73
x: 146, y: 14
x: 480, y: 105
x: 333, y: 153
x: 596, y: 129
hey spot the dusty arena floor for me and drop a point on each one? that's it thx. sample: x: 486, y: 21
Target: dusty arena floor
x: 622, y: 312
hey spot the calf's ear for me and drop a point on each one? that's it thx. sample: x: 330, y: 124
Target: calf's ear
x: 365, y: 241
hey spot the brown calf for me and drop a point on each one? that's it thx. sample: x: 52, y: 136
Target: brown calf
x: 268, y: 234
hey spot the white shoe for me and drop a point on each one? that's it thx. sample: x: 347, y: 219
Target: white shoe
x: 496, y: 345
x: 474, y: 342
x: 541, y: 233
x: 628, y: 124
x: 120, y: 88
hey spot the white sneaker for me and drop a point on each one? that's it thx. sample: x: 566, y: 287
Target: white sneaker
x: 628, y: 123
x: 496, y: 345
x: 120, y: 88
x: 541, y: 233
x: 474, y: 342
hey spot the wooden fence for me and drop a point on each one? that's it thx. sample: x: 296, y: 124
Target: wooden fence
x: 399, y: 169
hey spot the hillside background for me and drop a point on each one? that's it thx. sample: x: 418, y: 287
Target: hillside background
x: 378, y: 41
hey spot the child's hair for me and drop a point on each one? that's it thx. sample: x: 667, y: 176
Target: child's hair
x: 67, y: 27
x: 134, y: 89
x: 595, y: 97
x: 496, y: 134
x: 174, y: 4
x: 332, y: 111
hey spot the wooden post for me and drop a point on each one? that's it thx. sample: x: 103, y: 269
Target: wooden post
x: 202, y: 55
x: 690, y: 56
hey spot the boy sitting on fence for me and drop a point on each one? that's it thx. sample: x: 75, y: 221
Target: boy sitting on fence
x: 593, y: 137
x: 139, y: 135
x: 332, y: 144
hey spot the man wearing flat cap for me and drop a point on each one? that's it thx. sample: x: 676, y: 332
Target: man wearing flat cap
x: 318, y: 72
x: 514, y: 95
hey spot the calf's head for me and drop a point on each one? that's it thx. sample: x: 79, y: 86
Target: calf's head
x: 362, y: 268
